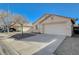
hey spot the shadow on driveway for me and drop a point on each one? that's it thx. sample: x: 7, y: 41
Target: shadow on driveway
x: 20, y: 36
x: 36, y: 37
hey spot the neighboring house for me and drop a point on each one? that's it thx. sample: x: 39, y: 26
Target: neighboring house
x: 54, y: 24
x: 26, y: 27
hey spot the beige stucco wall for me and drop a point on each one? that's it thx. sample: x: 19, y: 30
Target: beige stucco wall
x: 53, y: 20
x: 25, y: 29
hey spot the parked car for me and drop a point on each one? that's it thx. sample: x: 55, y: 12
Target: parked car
x: 76, y: 30
x: 5, y: 30
x: 1, y: 30
x: 12, y: 29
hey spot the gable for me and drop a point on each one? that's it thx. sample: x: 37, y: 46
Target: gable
x: 53, y: 19
x: 47, y: 18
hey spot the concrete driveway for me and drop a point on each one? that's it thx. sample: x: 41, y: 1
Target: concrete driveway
x: 37, y: 44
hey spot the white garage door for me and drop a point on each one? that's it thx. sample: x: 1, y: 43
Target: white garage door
x: 58, y: 29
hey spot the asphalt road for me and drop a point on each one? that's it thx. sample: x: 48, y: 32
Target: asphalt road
x: 5, y: 50
x: 70, y: 46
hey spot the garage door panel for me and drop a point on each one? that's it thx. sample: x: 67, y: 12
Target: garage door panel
x: 55, y: 29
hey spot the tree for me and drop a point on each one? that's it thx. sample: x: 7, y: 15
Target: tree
x: 7, y: 18
x: 20, y: 20
x: 74, y: 20
x: 3, y: 18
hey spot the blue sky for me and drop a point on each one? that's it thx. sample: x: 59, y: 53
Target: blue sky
x: 33, y: 11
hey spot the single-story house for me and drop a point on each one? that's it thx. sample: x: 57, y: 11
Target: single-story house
x: 25, y: 27
x: 54, y: 24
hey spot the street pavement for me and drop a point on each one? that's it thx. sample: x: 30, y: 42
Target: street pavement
x: 70, y: 46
